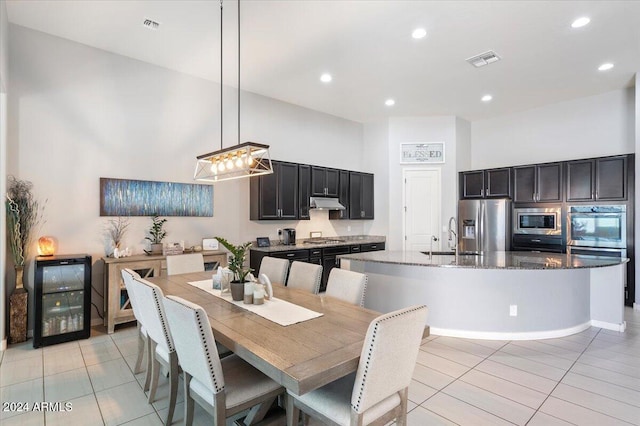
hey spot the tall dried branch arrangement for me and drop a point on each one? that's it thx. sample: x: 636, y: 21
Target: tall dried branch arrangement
x: 116, y: 229
x: 24, y: 214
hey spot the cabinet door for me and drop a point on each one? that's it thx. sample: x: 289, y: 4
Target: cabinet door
x: 498, y: 183
x: 524, y: 181
x: 611, y: 178
x: 304, y: 190
x: 288, y: 190
x: 332, y: 180
x: 549, y: 182
x: 367, y: 196
x: 343, y: 197
x: 318, y: 181
x: 355, y: 195
x: 268, y: 207
x: 472, y: 184
x: 580, y: 180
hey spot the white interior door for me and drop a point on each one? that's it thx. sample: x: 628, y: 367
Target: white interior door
x: 421, y: 209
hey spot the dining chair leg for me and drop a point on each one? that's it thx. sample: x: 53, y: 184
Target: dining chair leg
x: 188, y: 401
x: 293, y: 412
x: 155, y: 372
x: 141, y: 347
x: 402, y: 417
x: 173, y: 385
x: 147, y: 377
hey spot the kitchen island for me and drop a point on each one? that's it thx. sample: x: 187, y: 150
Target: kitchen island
x: 498, y: 295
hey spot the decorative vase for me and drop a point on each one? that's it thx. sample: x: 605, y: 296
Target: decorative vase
x: 19, y: 277
x: 18, y: 309
x: 156, y: 248
x: 237, y: 290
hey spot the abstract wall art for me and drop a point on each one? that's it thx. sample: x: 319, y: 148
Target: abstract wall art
x: 123, y: 197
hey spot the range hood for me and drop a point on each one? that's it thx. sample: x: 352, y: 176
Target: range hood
x: 322, y: 203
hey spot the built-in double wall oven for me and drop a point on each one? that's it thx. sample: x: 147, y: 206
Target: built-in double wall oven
x: 603, y: 226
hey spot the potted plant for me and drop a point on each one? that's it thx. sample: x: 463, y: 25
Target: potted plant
x: 156, y: 234
x: 236, y: 265
x: 24, y: 214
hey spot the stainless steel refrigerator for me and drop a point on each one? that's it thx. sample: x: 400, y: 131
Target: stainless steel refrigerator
x: 484, y: 225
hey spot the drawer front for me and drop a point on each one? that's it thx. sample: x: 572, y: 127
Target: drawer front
x: 372, y: 247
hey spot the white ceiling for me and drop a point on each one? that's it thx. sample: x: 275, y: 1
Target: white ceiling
x: 367, y: 47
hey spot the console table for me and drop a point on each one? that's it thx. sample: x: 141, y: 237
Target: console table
x: 117, y: 308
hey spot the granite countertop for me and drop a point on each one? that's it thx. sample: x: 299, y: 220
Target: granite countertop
x: 311, y: 243
x: 493, y: 260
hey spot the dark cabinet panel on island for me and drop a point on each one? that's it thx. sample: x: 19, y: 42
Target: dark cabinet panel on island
x: 275, y: 196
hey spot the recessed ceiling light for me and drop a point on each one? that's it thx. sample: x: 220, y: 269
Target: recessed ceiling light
x: 605, y: 67
x: 580, y: 22
x: 389, y: 102
x: 486, y: 98
x: 325, y: 78
x: 419, y: 33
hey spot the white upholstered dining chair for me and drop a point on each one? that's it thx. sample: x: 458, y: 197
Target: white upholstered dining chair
x: 223, y: 387
x: 128, y: 275
x: 185, y: 263
x: 305, y: 276
x: 274, y: 268
x: 347, y: 285
x: 378, y: 391
x: 160, y: 348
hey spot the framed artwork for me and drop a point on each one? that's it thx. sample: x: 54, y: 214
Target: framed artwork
x: 422, y: 153
x: 123, y: 197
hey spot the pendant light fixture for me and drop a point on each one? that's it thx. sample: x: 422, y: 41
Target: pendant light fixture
x: 242, y: 160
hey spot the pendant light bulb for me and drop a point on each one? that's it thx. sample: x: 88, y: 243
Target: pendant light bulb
x: 229, y: 164
x: 221, y: 167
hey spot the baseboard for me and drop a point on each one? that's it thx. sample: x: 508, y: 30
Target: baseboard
x: 3, y: 345
x: 636, y: 306
x: 528, y: 335
x: 610, y: 325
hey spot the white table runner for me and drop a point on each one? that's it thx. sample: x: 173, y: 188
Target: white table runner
x: 275, y: 310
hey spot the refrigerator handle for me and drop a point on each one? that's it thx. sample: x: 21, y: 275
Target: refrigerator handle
x: 479, y: 225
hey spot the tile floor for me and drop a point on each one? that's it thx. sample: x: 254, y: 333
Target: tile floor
x: 591, y: 378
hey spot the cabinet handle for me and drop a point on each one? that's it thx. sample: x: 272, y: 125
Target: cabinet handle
x: 482, y: 192
x: 374, y: 247
x: 533, y: 196
x: 290, y: 254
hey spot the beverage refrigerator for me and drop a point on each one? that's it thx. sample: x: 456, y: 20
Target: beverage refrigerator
x: 484, y: 225
x: 62, y: 299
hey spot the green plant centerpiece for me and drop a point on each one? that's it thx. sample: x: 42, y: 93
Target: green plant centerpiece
x: 236, y: 266
x: 156, y: 234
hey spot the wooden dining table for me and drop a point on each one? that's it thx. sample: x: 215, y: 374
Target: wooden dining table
x: 302, y: 356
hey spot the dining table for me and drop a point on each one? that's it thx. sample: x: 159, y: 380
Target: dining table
x: 302, y: 356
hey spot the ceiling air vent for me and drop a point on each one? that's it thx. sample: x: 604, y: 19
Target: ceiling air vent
x: 151, y: 24
x: 483, y: 59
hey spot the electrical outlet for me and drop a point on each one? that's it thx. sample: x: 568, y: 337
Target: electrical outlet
x: 349, y: 228
x: 513, y: 310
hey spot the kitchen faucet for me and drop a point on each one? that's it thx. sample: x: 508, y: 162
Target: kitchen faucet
x: 453, y: 220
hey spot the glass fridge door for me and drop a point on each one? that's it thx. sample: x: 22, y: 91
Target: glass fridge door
x: 62, y: 312
x: 58, y: 278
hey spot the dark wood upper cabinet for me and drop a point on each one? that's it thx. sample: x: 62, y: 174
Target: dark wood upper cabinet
x: 275, y: 196
x: 492, y: 183
x: 538, y: 183
x: 343, y: 197
x: 361, y: 201
x: 324, y: 182
x: 304, y: 191
x: 611, y: 178
x: 580, y: 180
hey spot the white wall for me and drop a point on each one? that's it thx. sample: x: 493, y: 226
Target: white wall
x: 581, y: 128
x: 4, y: 52
x: 412, y: 130
x: 78, y: 113
x: 636, y: 305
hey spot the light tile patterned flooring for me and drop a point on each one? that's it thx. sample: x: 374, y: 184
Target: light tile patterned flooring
x: 591, y: 378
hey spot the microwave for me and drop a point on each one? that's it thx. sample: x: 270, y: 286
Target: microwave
x: 537, y: 220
